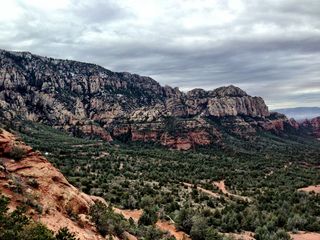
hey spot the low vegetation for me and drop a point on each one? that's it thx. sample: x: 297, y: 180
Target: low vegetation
x: 17, y: 153
x: 109, y: 223
x: 268, y: 170
x: 17, y: 226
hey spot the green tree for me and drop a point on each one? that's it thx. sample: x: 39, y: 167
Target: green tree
x: 106, y: 221
x: 64, y: 234
x: 184, y: 220
x: 199, y: 228
x: 281, y: 235
x: 149, y: 217
x: 36, y: 231
x: 213, y: 234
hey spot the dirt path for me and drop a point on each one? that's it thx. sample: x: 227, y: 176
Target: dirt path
x: 221, y: 185
x: 134, y: 214
x: 241, y: 236
x: 179, y: 235
x: 162, y: 225
x: 272, y: 171
x: 168, y: 227
x: 216, y: 195
x: 305, y: 236
x: 129, y: 236
x: 101, y: 155
x: 315, y: 188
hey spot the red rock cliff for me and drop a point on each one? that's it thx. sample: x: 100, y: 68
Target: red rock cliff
x: 33, y: 180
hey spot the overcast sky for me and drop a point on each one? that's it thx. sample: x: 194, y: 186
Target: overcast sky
x: 270, y: 48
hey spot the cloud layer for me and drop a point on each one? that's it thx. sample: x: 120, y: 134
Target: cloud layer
x: 269, y: 48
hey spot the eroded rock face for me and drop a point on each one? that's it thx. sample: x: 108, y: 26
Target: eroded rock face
x: 88, y: 99
x: 33, y: 179
x: 312, y: 126
x: 278, y: 122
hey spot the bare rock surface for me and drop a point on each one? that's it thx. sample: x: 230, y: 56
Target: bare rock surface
x: 32, y: 179
x: 88, y: 99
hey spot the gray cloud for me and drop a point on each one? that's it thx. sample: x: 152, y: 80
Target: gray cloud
x: 269, y: 48
x: 97, y: 12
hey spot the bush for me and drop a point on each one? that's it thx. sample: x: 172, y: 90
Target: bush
x: 151, y: 233
x: 33, y: 183
x: 106, y: 221
x: 213, y: 234
x: 17, y: 153
x: 17, y: 226
x: 297, y: 222
x: 262, y: 233
x: 64, y: 234
x: 184, y: 220
x: 37, y: 231
x: 149, y: 217
x: 199, y: 228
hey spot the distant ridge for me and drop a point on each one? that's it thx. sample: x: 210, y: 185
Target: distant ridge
x: 300, y: 113
x: 88, y: 100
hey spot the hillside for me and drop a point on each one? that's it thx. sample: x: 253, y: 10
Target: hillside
x: 42, y: 204
x: 86, y: 99
x: 27, y: 178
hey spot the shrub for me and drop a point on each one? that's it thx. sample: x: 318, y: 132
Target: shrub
x: 37, y: 231
x: 151, y: 233
x: 149, y: 217
x: 33, y: 183
x: 17, y: 153
x: 184, y: 220
x: 16, y: 225
x: 17, y: 185
x: 199, y: 228
x: 106, y: 221
x: 64, y: 234
x: 72, y: 215
x: 213, y: 234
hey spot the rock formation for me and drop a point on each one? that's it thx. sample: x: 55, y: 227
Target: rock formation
x: 27, y: 177
x: 312, y: 127
x: 88, y: 99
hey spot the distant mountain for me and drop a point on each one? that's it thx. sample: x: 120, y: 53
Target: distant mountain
x: 311, y: 127
x: 300, y: 113
x: 86, y: 99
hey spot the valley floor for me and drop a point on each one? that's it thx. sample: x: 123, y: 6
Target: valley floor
x: 262, y: 188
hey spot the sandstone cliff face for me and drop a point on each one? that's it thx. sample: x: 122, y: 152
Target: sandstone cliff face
x: 88, y: 99
x: 51, y: 198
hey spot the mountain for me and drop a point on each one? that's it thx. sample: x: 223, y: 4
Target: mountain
x: 300, y: 113
x: 312, y: 127
x: 257, y: 161
x: 86, y: 99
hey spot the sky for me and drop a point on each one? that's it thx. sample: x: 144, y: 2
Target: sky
x: 269, y: 48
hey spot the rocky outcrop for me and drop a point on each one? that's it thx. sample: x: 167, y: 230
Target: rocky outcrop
x: 27, y: 177
x: 312, y: 127
x: 278, y: 122
x: 86, y: 99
